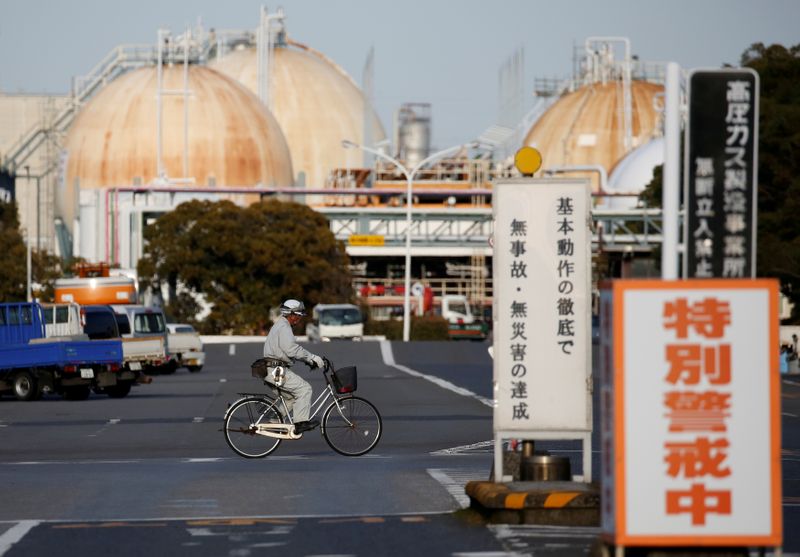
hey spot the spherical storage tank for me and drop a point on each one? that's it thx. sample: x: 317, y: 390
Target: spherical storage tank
x: 586, y: 127
x: 633, y: 174
x: 316, y: 103
x: 232, y: 139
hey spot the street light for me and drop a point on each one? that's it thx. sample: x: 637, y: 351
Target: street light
x: 409, y: 174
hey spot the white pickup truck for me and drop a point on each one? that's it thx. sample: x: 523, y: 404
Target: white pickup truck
x: 185, y: 347
x: 100, y: 322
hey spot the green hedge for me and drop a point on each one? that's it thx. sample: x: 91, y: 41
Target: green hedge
x: 422, y: 328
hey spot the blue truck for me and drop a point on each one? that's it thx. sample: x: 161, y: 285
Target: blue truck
x: 31, y: 363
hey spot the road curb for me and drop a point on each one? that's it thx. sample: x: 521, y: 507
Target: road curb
x: 550, y: 503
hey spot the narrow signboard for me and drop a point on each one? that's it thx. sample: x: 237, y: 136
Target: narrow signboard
x: 720, y: 173
x: 691, y: 413
x: 366, y: 240
x: 542, y: 302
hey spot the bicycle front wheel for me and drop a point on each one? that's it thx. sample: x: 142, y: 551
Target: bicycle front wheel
x: 352, y: 426
x: 240, y: 426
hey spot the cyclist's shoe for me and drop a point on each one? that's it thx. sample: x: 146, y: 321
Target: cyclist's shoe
x: 300, y: 427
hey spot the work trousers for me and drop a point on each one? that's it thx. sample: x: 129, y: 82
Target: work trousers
x: 300, y: 391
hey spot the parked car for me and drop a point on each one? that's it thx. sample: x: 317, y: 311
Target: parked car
x: 185, y: 347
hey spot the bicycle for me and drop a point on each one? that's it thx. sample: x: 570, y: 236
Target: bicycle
x: 256, y: 424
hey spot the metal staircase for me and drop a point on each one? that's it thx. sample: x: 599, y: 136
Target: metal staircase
x: 119, y: 60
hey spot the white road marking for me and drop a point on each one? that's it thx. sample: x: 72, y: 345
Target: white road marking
x: 188, y: 460
x: 63, y: 462
x: 485, y: 554
x: 198, y: 419
x: 788, y: 414
x: 454, y: 480
x: 463, y: 449
x: 15, y: 533
x: 111, y: 421
x: 191, y: 503
x: 516, y: 531
x: 388, y: 359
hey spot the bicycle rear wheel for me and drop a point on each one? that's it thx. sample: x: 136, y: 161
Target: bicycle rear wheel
x: 353, y: 428
x: 240, y: 427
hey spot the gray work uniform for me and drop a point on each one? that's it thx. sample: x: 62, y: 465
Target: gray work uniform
x: 281, y: 345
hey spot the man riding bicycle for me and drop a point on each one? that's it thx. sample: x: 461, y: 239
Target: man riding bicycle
x: 281, y: 349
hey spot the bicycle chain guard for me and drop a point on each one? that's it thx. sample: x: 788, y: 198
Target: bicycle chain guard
x: 279, y: 431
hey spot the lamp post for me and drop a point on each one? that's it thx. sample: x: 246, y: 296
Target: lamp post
x: 409, y: 174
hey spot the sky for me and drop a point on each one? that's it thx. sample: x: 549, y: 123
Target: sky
x: 443, y: 52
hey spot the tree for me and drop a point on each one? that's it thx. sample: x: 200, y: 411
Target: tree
x: 45, y: 269
x: 13, y: 271
x: 778, y: 252
x: 242, y: 262
x: 778, y: 235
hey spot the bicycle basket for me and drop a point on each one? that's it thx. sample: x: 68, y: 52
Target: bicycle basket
x: 345, y: 380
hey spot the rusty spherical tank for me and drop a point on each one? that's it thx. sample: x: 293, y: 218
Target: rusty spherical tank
x: 232, y: 139
x: 586, y: 127
x: 316, y: 103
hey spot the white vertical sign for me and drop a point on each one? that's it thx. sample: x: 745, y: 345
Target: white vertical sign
x: 542, y: 303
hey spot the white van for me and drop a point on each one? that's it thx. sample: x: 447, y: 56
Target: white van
x: 335, y: 321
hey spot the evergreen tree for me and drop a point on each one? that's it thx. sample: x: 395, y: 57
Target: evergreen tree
x: 778, y: 252
x: 778, y: 236
x: 13, y: 271
x: 243, y: 261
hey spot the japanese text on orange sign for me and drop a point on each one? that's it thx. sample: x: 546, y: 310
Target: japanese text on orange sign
x: 698, y: 406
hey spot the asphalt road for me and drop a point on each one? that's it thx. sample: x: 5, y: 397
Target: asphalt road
x: 152, y: 473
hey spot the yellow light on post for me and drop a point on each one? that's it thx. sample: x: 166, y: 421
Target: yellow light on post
x: 528, y: 160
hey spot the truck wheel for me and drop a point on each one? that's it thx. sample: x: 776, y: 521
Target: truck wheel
x: 26, y: 387
x: 169, y: 368
x: 80, y: 392
x: 194, y: 369
x: 120, y: 390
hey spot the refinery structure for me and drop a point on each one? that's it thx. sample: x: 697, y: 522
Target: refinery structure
x: 244, y: 114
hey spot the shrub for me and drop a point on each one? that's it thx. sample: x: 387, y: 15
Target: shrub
x: 422, y: 328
